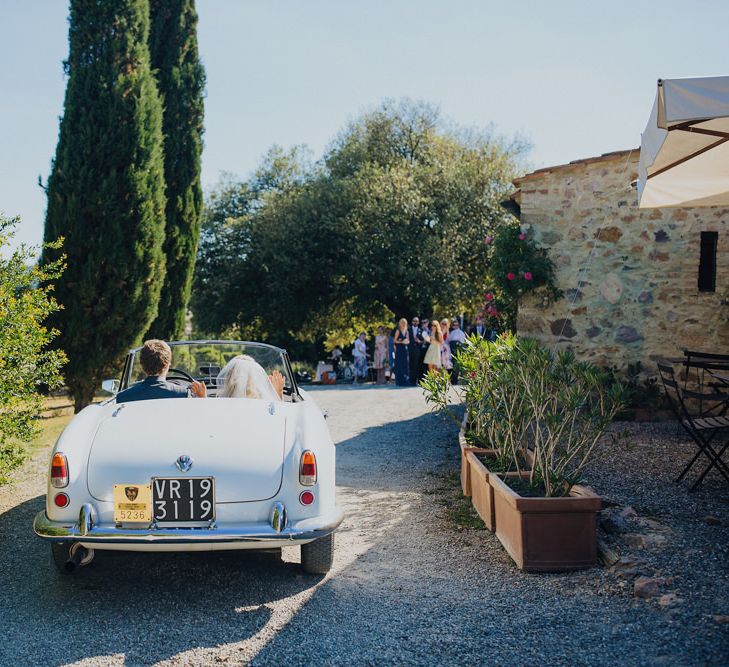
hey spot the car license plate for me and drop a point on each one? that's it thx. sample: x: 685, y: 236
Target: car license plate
x: 132, y: 503
x: 183, y: 499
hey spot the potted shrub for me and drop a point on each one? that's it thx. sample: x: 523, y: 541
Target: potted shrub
x: 542, y: 415
x: 481, y: 436
x: 544, y: 518
x: 475, y: 429
x: 500, y: 423
x: 439, y: 392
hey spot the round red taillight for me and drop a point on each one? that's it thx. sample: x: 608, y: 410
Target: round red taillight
x: 306, y: 498
x: 61, y: 500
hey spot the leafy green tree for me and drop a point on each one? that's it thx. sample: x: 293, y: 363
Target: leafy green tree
x: 225, y: 244
x: 26, y: 363
x: 181, y: 82
x: 106, y: 191
x: 393, y: 219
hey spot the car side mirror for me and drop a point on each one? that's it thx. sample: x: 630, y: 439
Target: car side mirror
x: 112, y: 386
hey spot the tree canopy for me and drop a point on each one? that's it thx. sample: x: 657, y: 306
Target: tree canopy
x: 390, y: 222
x: 106, y: 191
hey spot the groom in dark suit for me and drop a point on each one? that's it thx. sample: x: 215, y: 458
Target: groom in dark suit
x: 156, y: 359
x: 480, y: 330
x: 414, y: 348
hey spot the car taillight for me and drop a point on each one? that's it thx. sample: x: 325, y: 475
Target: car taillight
x: 307, y: 470
x: 306, y: 498
x: 59, y: 470
x: 61, y: 500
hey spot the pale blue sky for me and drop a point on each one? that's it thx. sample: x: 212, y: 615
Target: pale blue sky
x: 575, y: 78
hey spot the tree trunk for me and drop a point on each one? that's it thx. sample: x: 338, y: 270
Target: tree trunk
x: 82, y: 396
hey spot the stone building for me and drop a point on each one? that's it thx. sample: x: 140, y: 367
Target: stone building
x: 638, y: 284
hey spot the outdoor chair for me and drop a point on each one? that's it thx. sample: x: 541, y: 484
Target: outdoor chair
x: 703, y: 428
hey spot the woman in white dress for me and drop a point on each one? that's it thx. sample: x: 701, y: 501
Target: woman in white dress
x: 244, y: 377
x: 432, y: 356
x: 360, y: 357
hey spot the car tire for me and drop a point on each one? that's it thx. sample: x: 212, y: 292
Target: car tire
x: 317, y: 556
x: 59, y: 553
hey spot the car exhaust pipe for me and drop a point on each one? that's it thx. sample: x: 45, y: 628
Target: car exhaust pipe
x: 78, y: 556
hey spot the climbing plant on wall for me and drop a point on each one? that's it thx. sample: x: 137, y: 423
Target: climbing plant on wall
x: 517, y: 266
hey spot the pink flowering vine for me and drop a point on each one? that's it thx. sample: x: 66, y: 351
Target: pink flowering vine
x: 528, y: 275
x: 489, y: 296
x: 510, y: 276
x: 522, y: 236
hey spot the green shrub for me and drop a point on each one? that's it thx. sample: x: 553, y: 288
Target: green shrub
x: 519, y: 395
x: 26, y: 365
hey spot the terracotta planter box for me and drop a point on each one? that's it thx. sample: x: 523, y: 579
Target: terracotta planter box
x: 482, y: 495
x: 465, y: 468
x: 546, y: 534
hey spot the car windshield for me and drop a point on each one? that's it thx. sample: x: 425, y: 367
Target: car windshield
x: 204, y: 361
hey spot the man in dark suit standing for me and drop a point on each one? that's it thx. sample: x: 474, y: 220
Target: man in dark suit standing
x: 425, y: 335
x: 156, y: 359
x: 480, y: 329
x: 416, y: 342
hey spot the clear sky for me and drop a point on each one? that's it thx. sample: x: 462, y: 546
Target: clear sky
x: 576, y: 78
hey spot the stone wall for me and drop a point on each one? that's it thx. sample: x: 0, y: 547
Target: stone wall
x: 630, y: 276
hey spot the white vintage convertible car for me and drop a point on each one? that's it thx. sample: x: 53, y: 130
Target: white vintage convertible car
x: 194, y: 474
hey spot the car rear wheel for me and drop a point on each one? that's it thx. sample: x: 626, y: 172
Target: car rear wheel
x: 317, y: 556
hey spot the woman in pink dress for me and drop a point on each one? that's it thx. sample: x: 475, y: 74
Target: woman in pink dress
x: 446, y: 355
x: 381, y: 352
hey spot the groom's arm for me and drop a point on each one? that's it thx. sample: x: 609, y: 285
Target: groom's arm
x: 198, y: 389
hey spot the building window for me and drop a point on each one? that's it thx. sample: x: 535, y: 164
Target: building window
x: 707, y: 262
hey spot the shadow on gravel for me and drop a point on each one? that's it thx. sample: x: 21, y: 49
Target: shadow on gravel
x: 147, y: 606
x: 421, y: 593
x: 396, y: 456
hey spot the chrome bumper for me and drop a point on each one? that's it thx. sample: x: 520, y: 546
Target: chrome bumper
x: 88, y: 531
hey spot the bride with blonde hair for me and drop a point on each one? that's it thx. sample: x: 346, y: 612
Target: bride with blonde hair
x: 244, y: 377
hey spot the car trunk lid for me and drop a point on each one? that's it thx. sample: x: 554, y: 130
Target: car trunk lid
x: 240, y: 442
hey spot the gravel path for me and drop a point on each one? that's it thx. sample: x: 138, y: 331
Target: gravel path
x: 408, y: 585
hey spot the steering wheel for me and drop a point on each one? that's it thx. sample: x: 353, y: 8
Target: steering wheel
x: 177, y: 374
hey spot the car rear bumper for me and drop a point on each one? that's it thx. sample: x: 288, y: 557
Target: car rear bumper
x: 89, y: 532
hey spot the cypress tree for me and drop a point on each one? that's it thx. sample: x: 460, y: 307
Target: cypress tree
x: 181, y: 81
x: 106, y: 191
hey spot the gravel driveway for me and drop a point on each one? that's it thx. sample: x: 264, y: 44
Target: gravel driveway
x: 407, y: 585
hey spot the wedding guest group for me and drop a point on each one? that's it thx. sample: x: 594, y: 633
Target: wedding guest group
x: 411, y: 349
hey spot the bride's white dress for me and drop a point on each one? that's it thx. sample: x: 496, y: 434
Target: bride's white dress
x: 243, y: 377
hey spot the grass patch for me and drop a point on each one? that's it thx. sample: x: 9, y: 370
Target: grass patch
x: 51, y: 427
x: 458, y: 508
x: 56, y: 414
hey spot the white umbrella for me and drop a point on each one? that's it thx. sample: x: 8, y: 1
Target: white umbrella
x: 684, y: 152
